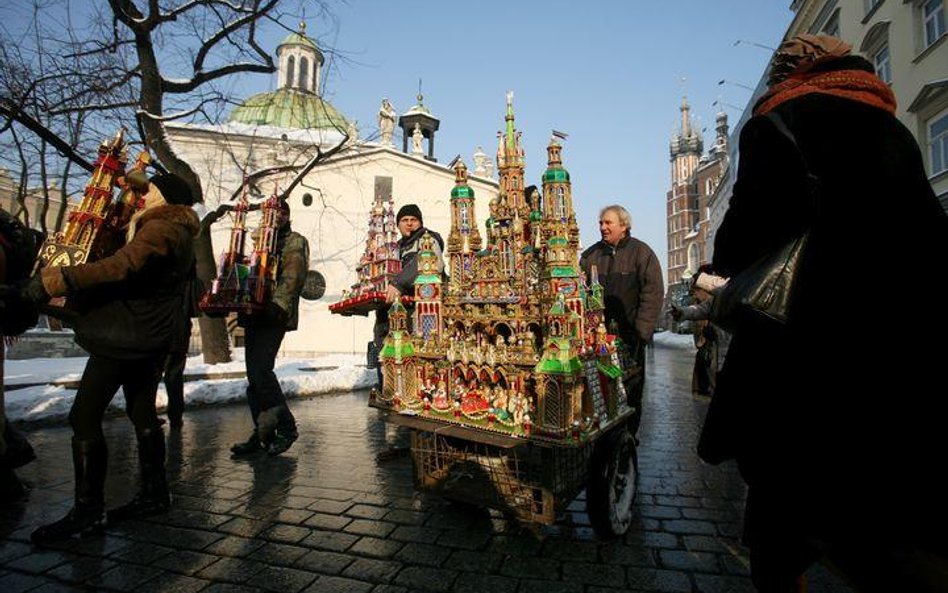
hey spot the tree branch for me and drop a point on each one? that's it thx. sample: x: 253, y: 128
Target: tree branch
x: 10, y: 110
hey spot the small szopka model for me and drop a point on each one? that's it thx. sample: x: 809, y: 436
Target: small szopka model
x: 96, y: 227
x: 244, y: 282
x: 378, y: 265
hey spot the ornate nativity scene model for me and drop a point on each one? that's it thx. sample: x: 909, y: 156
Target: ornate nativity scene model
x: 513, y: 340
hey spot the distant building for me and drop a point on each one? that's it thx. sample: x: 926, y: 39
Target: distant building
x: 694, y: 179
x: 33, y: 201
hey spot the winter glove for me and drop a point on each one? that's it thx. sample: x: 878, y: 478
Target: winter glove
x: 676, y: 312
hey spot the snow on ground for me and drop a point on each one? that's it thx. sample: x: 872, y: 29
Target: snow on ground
x: 298, y: 377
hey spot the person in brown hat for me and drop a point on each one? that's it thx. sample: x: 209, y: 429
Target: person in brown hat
x: 130, y: 310
x: 834, y: 435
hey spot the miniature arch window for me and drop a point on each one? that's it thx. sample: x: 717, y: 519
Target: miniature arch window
x: 465, y: 217
x: 560, y: 202
x: 290, y: 68
x: 304, y: 74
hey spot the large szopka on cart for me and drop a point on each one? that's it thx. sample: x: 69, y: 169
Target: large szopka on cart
x: 514, y: 389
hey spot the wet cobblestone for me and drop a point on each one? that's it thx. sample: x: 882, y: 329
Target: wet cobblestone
x: 326, y: 517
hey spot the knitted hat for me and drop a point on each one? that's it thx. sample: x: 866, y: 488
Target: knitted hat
x: 174, y: 189
x: 409, y: 210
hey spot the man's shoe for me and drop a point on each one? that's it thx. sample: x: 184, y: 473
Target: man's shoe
x: 283, y: 438
x: 175, y: 420
x: 248, y: 447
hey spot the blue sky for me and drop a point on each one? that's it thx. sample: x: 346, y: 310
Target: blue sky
x: 609, y: 73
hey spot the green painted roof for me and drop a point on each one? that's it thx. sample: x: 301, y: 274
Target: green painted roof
x: 561, y: 363
x: 398, y: 347
x: 462, y: 191
x: 428, y: 279
x: 563, y: 272
x: 557, y: 241
x: 289, y: 108
x: 556, y: 174
x: 536, y: 215
x: 610, y: 370
x: 298, y: 39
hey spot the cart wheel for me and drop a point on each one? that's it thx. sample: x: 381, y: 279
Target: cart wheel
x: 613, y: 473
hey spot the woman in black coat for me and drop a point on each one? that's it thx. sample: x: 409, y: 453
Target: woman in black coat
x: 833, y: 418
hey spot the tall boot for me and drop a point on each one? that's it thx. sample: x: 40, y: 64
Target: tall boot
x: 153, y: 498
x: 89, y: 460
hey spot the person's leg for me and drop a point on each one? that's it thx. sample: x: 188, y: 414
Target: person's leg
x: 635, y: 389
x: 253, y: 444
x: 140, y: 384
x: 100, y: 380
x: 779, y: 553
x: 174, y: 385
x: 275, y: 423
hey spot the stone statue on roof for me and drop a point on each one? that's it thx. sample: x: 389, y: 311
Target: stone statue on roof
x: 387, y: 116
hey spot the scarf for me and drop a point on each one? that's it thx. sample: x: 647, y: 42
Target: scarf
x: 855, y: 85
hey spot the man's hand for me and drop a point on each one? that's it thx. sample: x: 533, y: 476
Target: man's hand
x: 392, y: 294
x: 276, y: 312
x: 676, y: 312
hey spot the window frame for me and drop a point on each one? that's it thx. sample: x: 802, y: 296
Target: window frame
x: 934, y: 16
x: 883, y: 70
x: 942, y: 140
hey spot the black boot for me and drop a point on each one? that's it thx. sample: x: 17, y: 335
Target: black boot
x: 248, y: 447
x: 153, y: 498
x: 89, y: 460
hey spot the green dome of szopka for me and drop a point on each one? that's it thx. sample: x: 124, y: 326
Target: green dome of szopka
x: 462, y: 191
x: 557, y: 242
x: 536, y: 216
x: 289, y: 108
x: 555, y: 174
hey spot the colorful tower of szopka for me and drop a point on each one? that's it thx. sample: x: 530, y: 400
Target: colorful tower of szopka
x: 558, y: 215
x: 682, y: 199
x: 510, y: 211
x: 464, y: 240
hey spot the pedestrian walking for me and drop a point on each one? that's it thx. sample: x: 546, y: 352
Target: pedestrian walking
x: 274, y: 425
x: 834, y: 419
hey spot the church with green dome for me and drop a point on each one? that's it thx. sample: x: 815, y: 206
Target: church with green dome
x: 297, y: 103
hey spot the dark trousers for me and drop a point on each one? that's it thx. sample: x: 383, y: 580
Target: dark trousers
x: 262, y: 343
x: 635, y: 389
x: 174, y: 382
x: 101, y: 379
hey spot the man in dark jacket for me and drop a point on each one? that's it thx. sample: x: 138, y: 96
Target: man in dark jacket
x: 834, y: 438
x: 130, y: 311
x: 274, y: 424
x: 412, y: 229
x: 631, y: 277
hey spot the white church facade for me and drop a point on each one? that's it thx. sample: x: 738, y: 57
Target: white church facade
x: 331, y: 206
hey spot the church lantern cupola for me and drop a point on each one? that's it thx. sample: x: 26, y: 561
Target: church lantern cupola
x: 300, y: 62
x: 418, y: 124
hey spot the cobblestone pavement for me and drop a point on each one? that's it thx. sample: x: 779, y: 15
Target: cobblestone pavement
x: 327, y: 517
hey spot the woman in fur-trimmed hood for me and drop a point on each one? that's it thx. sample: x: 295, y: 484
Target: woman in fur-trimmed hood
x: 832, y: 417
x: 130, y: 308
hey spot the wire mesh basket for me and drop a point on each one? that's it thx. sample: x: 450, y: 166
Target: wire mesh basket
x: 529, y: 481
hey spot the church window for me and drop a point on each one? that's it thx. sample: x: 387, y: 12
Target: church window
x: 465, y: 218
x: 304, y: 74
x: 429, y: 324
x: 560, y: 202
x: 290, y: 69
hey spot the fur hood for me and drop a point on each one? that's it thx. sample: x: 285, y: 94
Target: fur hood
x: 175, y: 214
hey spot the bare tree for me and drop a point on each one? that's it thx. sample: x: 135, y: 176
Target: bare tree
x: 141, y: 64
